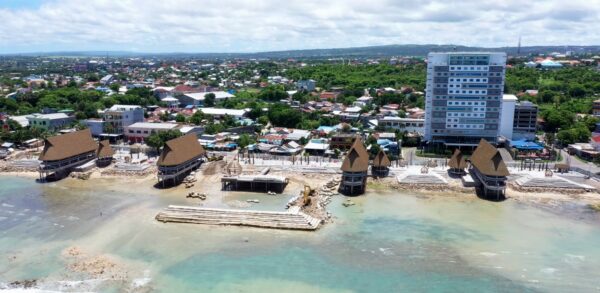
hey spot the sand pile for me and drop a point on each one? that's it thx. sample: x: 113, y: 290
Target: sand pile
x: 96, y: 267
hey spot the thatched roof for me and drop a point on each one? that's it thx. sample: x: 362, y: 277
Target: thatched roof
x: 487, y: 159
x: 180, y: 150
x: 68, y: 145
x: 381, y: 160
x: 457, y: 161
x: 104, y: 150
x: 357, y: 159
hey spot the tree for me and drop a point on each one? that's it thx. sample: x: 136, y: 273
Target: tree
x: 214, y: 128
x: 209, y: 100
x: 374, y: 150
x: 157, y: 140
x: 273, y: 94
x: 197, y: 118
x: 244, y: 140
x: 283, y: 116
x: 180, y: 118
x: 115, y: 87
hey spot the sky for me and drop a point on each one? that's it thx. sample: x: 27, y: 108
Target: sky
x: 273, y: 25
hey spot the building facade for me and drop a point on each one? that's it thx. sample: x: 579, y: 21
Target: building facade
x: 120, y: 116
x: 402, y: 124
x: 525, y: 120
x: 139, y: 132
x: 50, y: 122
x: 464, y: 97
x: 507, y: 115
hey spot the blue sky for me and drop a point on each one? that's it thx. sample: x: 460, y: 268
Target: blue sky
x: 20, y: 4
x: 265, y: 25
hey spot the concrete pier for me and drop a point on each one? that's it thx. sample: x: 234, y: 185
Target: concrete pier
x: 293, y: 219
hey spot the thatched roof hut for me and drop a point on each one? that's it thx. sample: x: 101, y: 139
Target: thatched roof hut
x: 357, y: 159
x: 488, y: 161
x: 180, y: 150
x: 381, y: 160
x: 457, y: 161
x: 68, y: 145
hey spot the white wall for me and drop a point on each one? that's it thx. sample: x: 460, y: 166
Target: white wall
x: 507, y: 116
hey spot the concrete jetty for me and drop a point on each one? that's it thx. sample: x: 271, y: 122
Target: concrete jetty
x: 293, y: 219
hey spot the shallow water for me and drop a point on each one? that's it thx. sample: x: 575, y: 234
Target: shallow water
x: 388, y: 242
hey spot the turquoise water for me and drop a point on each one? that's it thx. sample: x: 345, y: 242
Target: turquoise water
x: 388, y: 242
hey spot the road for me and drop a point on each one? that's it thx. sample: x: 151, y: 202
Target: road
x: 576, y: 162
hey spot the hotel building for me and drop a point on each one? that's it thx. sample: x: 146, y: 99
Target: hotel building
x: 464, y: 97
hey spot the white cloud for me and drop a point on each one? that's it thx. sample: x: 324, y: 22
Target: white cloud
x: 262, y: 25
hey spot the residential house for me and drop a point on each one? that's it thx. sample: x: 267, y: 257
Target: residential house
x: 307, y: 85
x: 139, y: 132
x: 317, y: 146
x: 117, y: 117
x: 402, y: 124
x: 50, y: 122
x: 329, y: 96
x: 343, y: 141
x: 107, y: 79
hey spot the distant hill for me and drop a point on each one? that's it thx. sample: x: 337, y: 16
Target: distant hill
x: 357, y: 52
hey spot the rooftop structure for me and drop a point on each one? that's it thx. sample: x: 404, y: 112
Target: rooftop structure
x: 219, y: 112
x: 197, y: 99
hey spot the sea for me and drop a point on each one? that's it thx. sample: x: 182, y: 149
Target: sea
x: 390, y: 241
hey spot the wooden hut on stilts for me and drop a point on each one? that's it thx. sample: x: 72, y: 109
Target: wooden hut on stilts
x: 489, y: 169
x: 354, y: 170
x: 178, y: 158
x: 381, y: 165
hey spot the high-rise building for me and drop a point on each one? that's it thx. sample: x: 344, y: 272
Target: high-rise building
x: 464, y: 97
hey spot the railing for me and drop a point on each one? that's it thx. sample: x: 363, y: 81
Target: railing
x: 176, y: 170
x: 47, y: 166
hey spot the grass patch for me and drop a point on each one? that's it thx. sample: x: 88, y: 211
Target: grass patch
x: 595, y: 207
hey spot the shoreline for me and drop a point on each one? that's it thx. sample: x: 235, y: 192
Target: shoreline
x: 386, y: 185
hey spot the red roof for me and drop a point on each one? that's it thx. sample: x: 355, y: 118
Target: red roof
x: 184, y: 89
x: 329, y: 95
x: 596, y: 138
